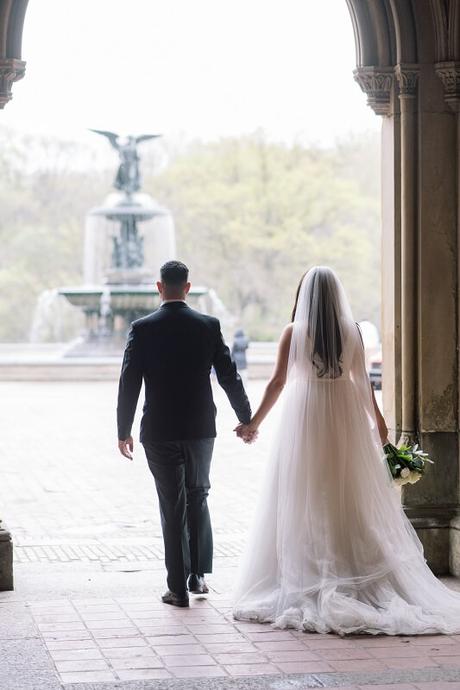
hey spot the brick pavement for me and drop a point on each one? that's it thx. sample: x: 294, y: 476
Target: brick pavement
x: 86, y: 613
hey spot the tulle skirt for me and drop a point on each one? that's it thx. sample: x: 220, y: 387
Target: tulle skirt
x: 331, y: 549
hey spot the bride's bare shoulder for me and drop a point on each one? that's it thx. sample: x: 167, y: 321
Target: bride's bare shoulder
x: 286, y: 335
x: 287, y: 330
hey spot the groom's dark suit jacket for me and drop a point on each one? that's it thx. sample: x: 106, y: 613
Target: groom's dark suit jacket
x: 173, y: 351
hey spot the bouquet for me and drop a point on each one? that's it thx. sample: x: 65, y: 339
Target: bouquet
x: 407, y: 463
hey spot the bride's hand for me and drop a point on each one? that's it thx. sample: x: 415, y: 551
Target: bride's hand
x: 250, y: 434
x: 247, y: 432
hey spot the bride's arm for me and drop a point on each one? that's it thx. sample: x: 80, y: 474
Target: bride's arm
x: 360, y: 365
x: 274, y: 386
x: 381, y: 424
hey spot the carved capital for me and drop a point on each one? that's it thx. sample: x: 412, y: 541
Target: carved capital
x: 376, y: 82
x: 407, y: 76
x: 449, y: 74
x: 11, y: 70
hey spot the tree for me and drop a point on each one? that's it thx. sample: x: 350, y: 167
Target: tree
x: 253, y: 215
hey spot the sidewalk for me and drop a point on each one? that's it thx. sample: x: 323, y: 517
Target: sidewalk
x: 136, y: 642
x: 86, y: 613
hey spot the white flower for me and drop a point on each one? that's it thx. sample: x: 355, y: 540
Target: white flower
x: 405, y: 472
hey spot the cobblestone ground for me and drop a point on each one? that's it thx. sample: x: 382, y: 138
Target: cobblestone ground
x: 69, y: 496
x: 88, y: 552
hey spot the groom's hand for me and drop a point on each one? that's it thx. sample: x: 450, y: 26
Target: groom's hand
x: 126, y: 447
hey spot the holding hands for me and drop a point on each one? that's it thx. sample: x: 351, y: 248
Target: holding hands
x: 247, y: 432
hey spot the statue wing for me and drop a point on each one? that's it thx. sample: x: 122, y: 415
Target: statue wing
x: 144, y: 137
x: 111, y: 136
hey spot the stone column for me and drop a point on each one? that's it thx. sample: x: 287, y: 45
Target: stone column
x: 378, y: 83
x: 420, y: 207
x: 431, y: 299
x: 407, y: 79
x: 449, y: 74
x: 6, y: 559
x: 391, y: 271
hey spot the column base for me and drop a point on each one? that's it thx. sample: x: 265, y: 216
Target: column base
x: 455, y: 546
x: 438, y: 528
x: 6, y: 560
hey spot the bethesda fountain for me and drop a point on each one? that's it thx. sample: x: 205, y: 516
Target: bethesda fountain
x: 127, y: 239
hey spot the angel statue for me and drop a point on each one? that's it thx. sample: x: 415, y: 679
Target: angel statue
x: 128, y: 177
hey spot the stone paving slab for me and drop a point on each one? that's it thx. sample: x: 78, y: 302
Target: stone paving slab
x: 26, y: 665
x: 112, y: 642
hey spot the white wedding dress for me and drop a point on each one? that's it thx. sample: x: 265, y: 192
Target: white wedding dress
x: 331, y: 549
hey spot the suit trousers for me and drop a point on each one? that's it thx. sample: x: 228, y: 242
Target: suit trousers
x: 181, y: 473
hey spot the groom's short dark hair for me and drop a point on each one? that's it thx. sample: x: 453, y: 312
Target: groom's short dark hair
x: 174, y: 273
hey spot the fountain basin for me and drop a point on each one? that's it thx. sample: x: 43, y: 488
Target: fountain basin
x: 123, y: 298
x: 110, y: 309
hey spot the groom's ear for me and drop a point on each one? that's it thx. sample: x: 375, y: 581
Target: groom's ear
x: 187, y: 288
x: 160, y: 287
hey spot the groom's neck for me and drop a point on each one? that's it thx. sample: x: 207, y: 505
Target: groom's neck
x: 173, y: 296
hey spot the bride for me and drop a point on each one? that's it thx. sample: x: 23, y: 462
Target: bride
x: 331, y: 549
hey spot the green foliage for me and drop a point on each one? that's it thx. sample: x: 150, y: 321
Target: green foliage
x: 251, y: 216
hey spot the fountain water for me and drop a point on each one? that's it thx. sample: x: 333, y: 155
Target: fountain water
x: 215, y: 306
x: 44, y: 318
x: 53, y: 319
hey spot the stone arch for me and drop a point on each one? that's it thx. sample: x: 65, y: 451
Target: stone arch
x: 374, y: 33
x: 408, y: 65
x: 390, y: 32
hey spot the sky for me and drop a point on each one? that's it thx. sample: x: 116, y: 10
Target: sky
x: 190, y: 69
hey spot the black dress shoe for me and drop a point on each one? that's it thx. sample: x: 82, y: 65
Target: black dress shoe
x: 175, y: 599
x: 196, y: 584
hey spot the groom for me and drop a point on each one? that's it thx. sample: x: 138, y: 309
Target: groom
x: 173, y: 351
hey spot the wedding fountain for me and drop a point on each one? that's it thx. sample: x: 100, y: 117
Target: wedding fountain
x: 127, y: 239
